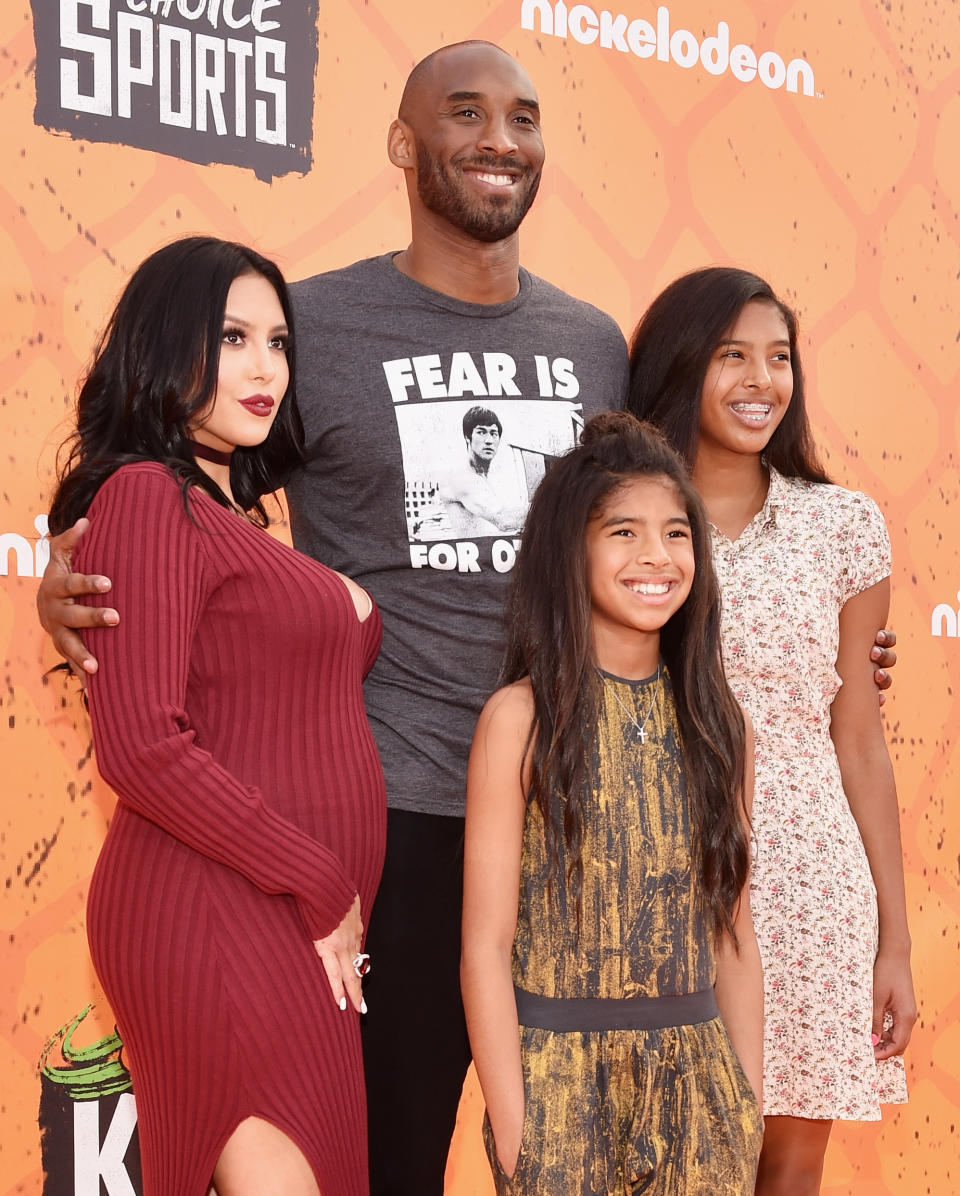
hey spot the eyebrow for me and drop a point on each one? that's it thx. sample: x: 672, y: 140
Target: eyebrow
x: 458, y: 97
x: 731, y: 341
x: 616, y: 520
x: 228, y: 318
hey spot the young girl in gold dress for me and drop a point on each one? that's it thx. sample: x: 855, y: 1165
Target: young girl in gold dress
x: 610, y: 973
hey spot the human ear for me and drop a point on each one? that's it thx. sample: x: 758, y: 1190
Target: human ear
x: 401, y: 149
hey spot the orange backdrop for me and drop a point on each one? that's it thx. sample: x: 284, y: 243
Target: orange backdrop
x: 847, y: 200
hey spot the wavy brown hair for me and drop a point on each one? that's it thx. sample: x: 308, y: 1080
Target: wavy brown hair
x: 550, y: 642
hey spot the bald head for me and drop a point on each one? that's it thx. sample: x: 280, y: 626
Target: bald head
x: 429, y: 77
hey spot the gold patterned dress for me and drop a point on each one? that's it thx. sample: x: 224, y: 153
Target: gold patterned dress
x: 664, y: 1110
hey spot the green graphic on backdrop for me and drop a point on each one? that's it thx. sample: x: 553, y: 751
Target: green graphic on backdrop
x: 87, y: 1073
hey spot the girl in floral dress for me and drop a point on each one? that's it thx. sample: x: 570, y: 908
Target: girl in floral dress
x: 804, y: 572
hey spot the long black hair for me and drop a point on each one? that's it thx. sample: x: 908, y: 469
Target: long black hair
x: 671, y: 350
x: 549, y: 641
x: 155, y: 369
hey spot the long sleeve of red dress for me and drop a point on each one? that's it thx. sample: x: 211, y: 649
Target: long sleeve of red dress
x: 146, y: 743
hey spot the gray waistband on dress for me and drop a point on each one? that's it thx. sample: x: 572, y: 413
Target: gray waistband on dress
x: 569, y: 1014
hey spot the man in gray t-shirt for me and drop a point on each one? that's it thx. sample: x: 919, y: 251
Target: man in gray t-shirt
x: 401, y: 358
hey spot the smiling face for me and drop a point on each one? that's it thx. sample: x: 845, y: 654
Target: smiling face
x: 475, y: 123
x: 253, y: 372
x: 748, y: 384
x: 640, y: 567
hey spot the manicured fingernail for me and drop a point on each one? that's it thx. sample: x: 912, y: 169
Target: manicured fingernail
x: 343, y: 1004
x: 874, y: 1038
x: 363, y: 1005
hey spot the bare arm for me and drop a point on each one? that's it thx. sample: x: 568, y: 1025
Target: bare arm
x: 869, y: 785
x: 60, y: 613
x: 739, y: 985
x: 491, y: 883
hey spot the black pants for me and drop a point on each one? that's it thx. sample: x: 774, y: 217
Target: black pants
x: 415, y: 1046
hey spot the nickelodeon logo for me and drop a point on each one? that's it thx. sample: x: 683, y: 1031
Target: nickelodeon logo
x: 945, y: 620
x: 29, y: 559
x: 646, y: 40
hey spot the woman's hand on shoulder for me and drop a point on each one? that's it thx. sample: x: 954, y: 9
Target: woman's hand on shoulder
x: 337, y: 952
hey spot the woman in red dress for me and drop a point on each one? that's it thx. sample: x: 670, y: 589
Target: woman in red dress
x: 226, y: 912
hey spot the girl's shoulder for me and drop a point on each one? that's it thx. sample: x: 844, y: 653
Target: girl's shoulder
x: 511, y: 705
x: 846, y: 526
x: 503, y: 728
x: 827, y: 499
x: 501, y: 743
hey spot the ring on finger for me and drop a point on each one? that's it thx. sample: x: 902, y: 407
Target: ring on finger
x: 361, y: 963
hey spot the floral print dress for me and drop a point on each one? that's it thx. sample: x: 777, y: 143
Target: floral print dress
x: 784, y: 581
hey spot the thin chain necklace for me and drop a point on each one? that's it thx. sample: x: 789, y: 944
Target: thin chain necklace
x: 616, y: 697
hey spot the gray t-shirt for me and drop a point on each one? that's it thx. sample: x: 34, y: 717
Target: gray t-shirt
x: 424, y: 514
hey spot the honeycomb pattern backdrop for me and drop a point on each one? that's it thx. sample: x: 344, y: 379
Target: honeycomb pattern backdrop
x: 846, y: 199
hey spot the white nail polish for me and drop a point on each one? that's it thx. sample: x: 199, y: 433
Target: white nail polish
x: 343, y: 1004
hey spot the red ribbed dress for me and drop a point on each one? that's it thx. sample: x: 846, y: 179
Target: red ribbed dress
x: 228, y: 716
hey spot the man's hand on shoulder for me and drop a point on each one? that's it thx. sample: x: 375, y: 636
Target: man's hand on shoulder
x: 884, y: 657
x: 61, y: 615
